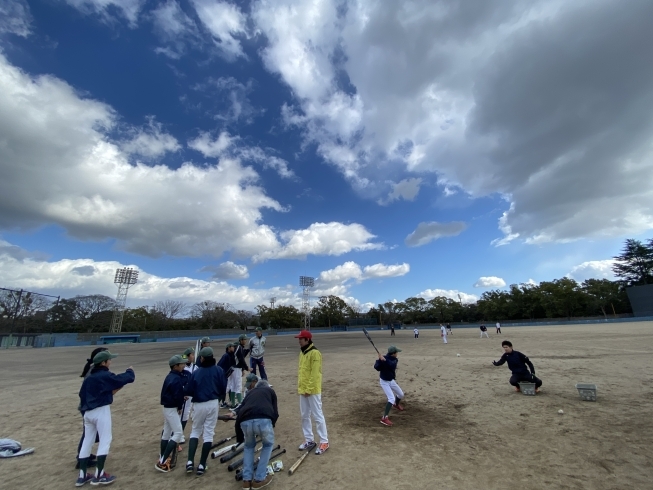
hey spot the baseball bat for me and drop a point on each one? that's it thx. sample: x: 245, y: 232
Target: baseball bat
x: 294, y: 467
x: 239, y: 474
x: 224, y: 450
x: 232, y: 454
x: 220, y: 443
x: 370, y: 339
x: 238, y: 464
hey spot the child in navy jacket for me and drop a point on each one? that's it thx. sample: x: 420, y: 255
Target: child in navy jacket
x: 172, y: 399
x: 387, y: 367
x: 96, y: 397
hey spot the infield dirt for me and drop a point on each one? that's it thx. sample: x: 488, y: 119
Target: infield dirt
x: 463, y: 427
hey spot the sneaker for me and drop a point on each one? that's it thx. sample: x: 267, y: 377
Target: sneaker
x: 83, y: 480
x: 517, y: 389
x: 224, y: 405
x: 386, y: 421
x: 321, y: 449
x: 247, y: 484
x: 398, y: 407
x: 200, y: 470
x: 306, y: 445
x: 190, y: 467
x: 105, y: 479
x: 163, y: 467
x: 262, y: 483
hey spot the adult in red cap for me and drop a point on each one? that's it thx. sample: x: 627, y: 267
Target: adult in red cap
x: 309, y: 386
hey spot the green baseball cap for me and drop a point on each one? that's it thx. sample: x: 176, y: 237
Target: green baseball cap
x: 259, y: 329
x: 393, y: 349
x: 105, y: 355
x: 177, y: 359
x: 189, y: 351
x: 206, y: 352
x: 204, y: 340
x: 242, y: 337
x: 251, y: 377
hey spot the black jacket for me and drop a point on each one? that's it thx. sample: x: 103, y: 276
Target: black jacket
x: 239, y: 354
x: 172, y: 392
x: 260, y: 403
x: 97, y: 389
x: 517, y: 362
x: 387, y: 369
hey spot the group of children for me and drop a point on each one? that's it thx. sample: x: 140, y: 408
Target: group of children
x: 202, y: 384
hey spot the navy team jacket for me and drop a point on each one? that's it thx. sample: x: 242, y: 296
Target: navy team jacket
x: 96, y: 390
x: 207, y: 383
x: 172, y: 392
x: 387, y: 369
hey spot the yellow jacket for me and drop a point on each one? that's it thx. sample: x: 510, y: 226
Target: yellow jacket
x: 309, y: 379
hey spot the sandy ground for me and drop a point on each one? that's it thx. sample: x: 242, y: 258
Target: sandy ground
x: 463, y: 428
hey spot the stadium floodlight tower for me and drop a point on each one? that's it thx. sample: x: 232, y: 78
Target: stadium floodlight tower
x: 125, y: 278
x: 306, y: 283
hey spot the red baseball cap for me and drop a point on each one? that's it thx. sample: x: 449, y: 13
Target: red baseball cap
x: 304, y: 334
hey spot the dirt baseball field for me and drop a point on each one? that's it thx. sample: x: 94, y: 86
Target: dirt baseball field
x: 463, y: 428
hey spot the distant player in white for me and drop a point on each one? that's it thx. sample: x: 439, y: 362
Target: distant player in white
x: 443, y: 333
x: 498, y: 327
x: 416, y: 332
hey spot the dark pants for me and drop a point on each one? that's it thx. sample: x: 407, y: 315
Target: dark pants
x: 253, y: 362
x: 516, y: 378
x: 392, y: 332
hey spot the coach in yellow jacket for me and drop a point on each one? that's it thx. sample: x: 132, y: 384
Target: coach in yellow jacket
x: 309, y: 386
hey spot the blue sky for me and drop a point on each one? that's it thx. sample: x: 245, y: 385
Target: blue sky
x: 389, y: 149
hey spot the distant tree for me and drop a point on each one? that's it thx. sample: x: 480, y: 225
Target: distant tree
x: 280, y: 316
x: 170, y: 309
x: 211, y: 314
x: 634, y: 266
x: 329, y: 310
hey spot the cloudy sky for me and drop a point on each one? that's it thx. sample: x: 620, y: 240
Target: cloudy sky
x: 387, y: 148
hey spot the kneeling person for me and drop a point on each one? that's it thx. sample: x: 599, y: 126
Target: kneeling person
x: 517, y: 363
x: 257, y: 416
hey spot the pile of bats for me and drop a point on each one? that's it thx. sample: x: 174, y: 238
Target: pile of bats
x: 229, y: 452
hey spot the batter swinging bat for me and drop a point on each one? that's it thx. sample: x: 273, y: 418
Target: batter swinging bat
x: 370, y: 339
x: 294, y: 467
x: 239, y: 474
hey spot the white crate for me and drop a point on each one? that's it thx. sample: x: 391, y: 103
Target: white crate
x: 586, y: 391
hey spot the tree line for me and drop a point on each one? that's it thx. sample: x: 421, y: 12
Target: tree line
x: 560, y: 298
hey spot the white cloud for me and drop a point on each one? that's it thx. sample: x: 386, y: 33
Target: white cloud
x: 448, y: 293
x: 226, y: 23
x: 427, y: 232
x: 381, y: 270
x: 226, y: 145
x: 593, y: 269
x: 59, y: 166
x: 351, y: 270
x: 15, y: 18
x: 150, y: 142
x: 174, y: 28
x: 130, y: 9
x: 322, y: 239
x: 84, y: 276
x: 434, y: 89
x: 227, y: 270
x: 489, y: 282
x: 231, y: 99
x: 406, y: 189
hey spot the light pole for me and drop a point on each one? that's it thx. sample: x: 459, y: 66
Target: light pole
x: 125, y: 278
x: 306, y: 283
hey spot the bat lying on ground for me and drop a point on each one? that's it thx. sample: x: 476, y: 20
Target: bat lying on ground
x: 294, y: 467
x: 238, y: 463
x: 220, y: 443
x: 239, y: 474
x: 224, y: 450
x: 370, y: 339
x: 233, y: 453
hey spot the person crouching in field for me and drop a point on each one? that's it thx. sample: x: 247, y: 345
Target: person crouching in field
x: 96, y: 397
x: 517, y: 363
x: 387, y: 368
x: 257, y: 416
x: 172, y: 399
